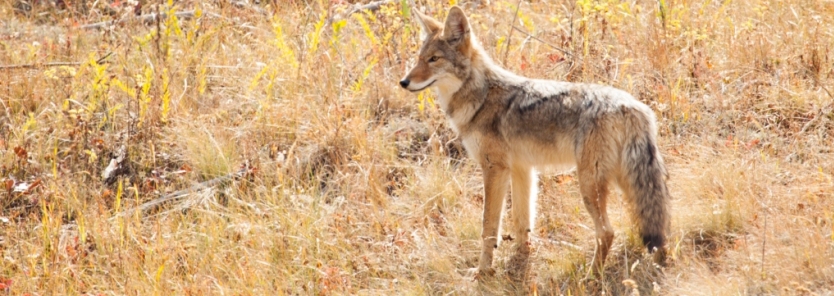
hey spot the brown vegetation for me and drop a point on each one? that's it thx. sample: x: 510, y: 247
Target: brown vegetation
x: 335, y: 181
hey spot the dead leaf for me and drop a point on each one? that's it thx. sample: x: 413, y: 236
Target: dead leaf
x: 524, y: 63
x: 555, y: 57
x: 752, y: 143
x: 5, y: 283
x: 20, y: 152
x: 99, y: 143
x: 32, y: 186
x: 9, y: 184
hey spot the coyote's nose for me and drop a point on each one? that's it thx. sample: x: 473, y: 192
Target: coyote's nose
x: 404, y: 83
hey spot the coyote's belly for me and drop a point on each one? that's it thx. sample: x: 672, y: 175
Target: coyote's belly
x: 558, y: 155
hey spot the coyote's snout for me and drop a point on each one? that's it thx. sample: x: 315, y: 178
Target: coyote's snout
x: 513, y: 125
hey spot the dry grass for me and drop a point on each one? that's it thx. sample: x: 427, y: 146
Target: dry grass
x: 353, y: 186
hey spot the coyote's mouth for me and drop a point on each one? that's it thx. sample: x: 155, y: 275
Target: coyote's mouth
x: 422, y: 88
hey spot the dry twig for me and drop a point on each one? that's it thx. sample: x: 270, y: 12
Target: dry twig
x: 565, y: 51
x: 52, y: 64
x: 510, y: 35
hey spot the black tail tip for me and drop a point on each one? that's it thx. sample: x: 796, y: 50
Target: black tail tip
x: 654, y: 242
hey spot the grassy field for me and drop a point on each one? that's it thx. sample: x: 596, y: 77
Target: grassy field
x: 290, y: 161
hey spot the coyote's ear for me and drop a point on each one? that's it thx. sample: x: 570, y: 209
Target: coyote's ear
x: 430, y: 26
x: 457, y: 26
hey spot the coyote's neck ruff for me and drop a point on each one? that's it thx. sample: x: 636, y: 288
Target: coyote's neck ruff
x: 512, y: 125
x: 460, y: 99
x: 462, y: 94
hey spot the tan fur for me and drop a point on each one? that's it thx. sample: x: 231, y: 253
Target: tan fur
x: 513, y: 126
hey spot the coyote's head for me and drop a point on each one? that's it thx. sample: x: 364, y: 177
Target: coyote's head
x: 444, y: 60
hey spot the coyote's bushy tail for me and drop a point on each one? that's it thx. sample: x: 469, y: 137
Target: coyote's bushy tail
x: 645, y: 184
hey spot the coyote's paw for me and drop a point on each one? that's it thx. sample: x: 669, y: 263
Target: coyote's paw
x: 518, y: 266
x: 522, y: 248
x: 660, y: 257
x: 477, y: 274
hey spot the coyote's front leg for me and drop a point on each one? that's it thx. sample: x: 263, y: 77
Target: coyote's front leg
x: 524, y: 201
x: 496, y: 181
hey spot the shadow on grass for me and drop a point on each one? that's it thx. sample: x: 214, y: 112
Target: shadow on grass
x: 629, y: 269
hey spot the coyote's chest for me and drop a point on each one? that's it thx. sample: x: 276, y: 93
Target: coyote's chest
x: 459, y: 112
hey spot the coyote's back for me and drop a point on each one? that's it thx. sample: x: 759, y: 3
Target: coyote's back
x: 513, y: 125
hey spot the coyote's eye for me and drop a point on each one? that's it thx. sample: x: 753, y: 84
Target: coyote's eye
x: 433, y: 59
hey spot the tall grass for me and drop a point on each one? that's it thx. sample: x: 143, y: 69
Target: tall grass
x: 353, y: 186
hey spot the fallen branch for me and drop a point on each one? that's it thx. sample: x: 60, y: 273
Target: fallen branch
x: 39, y: 65
x: 142, y: 18
x: 177, y: 195
x: 52, y: 64
x: 180, y: 194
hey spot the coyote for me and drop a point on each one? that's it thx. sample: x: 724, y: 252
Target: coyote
x: 512, y: 126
